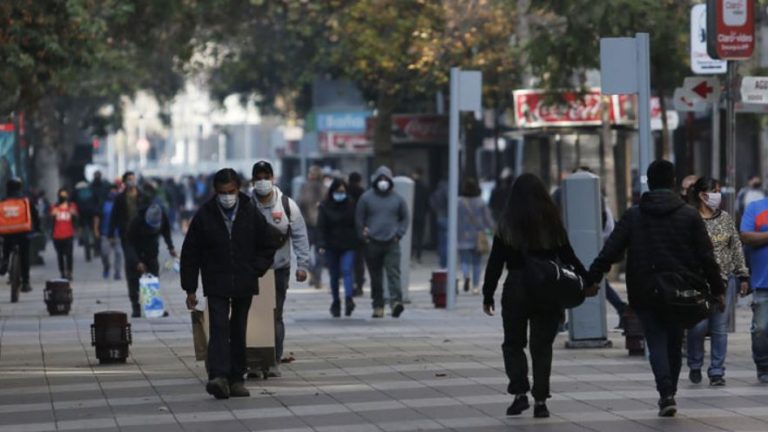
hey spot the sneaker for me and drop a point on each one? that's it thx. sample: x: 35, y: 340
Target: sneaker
x: 540, y: 410
x: 695, y: 376
x: 476, y: 290
x: 218, y: 388
x: 136, y: 311
x: 274, y: 372
x: 667, y: 407
x: 397, y: 310
x: 716, y: 381
x: 336, y: 309
x: 466, y: 285
x: 378, y: 313
x: 349, y: 306
x: 26, y: 287
x: 762, y: 376
x: 238, y: 389
x: 519, y: 405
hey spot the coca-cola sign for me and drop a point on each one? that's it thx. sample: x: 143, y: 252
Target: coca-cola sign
x: 340, y: 142
x: 533, y: 110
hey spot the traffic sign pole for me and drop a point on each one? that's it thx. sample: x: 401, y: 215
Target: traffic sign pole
x: 644, y: 106
x: 730, y: 134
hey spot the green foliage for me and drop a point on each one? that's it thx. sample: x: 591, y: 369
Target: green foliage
x: 566, y: 37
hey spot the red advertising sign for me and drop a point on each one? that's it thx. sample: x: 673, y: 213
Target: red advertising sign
x: 731, y: 25
x: 6, y: 127
x: 415, y: 128
x: 341, y: 142
x: 533, y: 111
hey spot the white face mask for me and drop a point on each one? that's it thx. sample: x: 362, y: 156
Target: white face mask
x: 714, y: 199
x: 262, y: 187
x: 383, y: 185
x: 227, y: 200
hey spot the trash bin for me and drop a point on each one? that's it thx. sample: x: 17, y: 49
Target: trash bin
x: 111, y: 335
x: 58, y: 296
x: 633, y: 333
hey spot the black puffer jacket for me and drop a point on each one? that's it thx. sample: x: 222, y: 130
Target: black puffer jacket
x: 336, y: 226
x: 230, y: 264
x: 663, y: 232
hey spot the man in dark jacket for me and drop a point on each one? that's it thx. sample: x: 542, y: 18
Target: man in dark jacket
x: 126, y: 207
x: 662, y: 232
x: 356, y: 190
x: 231, y: 244
x: 142, y: 247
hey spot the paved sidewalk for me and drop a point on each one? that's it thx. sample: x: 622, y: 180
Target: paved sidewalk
x: 429, y: 370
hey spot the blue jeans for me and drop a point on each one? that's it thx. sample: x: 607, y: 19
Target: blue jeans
x: 341, y: 264
x: 470, y: 257
x: 717, y: 324
x: 442, y: 241
x: 665, y: 341
x: 760, y: 329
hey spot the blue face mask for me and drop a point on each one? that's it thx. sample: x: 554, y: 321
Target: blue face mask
x: 339, y: 196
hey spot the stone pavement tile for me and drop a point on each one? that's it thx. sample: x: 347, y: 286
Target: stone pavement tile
x: 84, y: 424
x: 337, y: 419
x: 401, y: 414
x: 270, y: 424
x: 467, y: 423
x: 414, y: 393
x: 459, y: 391
x: 449, y: 412
x: 156, y: 408
x: 204, y: 416
x: 261, y: 413
x: 153, y: 428
x: 375, y: 406
x: 736, y: 424
x: 306, y: 410
x: 613, y: 426
x: 370, y: 395
x: 349, y: 428
x: 217, y: 425
x: 410, y: 425
x: 313, y: 399
x: 145, y: 420
x: 29, y: 427
x: 27, y: 417
x: 538, y: 426
x: 678, y: 424
x: 133, y: 392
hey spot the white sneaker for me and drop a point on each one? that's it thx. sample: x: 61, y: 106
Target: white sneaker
x: 274, y: 372
x: 476, y: 290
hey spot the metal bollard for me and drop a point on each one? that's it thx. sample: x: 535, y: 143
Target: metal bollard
x: 111, y: 335
x: 58, y: 296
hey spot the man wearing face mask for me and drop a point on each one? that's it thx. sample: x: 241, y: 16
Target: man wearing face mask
x: 229, y: 245
x: 126, y: 207
x: 381, y: 220
x: 142, y: 247
x: 284, y: 214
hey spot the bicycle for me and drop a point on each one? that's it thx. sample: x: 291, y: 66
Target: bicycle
x: 14, y: 273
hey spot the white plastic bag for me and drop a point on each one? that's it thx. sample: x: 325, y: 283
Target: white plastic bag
x: 152, y: 305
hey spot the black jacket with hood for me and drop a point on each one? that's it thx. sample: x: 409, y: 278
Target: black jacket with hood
x: 336, y: 225
x: 230, y: 263
x: 661, y: 232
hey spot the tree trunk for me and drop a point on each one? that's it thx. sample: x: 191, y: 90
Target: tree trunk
x: 382, y: 134
x: 46, y: 161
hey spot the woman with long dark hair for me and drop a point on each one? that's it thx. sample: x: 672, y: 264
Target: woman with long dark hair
x: 529, y: 226
x: 705, y: 196
x: 337, y: 242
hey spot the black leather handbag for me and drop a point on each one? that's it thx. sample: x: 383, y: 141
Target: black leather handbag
x: 550, y: 281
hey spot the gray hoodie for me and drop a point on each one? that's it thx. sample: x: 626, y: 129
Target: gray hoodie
x: 275, y: 214
x: 384, y: 214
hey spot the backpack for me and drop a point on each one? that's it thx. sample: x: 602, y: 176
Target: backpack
x: 15, y: 216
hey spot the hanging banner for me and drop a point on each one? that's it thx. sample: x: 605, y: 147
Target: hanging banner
x: 533, y: 110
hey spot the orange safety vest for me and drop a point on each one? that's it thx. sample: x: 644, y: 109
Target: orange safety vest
x: 15, y: 216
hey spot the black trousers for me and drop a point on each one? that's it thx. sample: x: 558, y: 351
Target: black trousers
x: 226, y: 346
x: 132, y: 276
x: 517, y: 315
x: 64, y: 248
x: 282, y: 278
x: 22, y: 240
x: 360, y: 267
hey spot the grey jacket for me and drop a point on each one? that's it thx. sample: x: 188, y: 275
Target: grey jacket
x: 275, y: 214
x: 384, y: 214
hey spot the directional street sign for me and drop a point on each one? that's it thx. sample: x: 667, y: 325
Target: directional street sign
x: 706, y: 88
x: 686, y: 101
x: 754, y: 90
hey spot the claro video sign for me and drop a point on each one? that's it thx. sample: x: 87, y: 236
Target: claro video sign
x: 731, y: 25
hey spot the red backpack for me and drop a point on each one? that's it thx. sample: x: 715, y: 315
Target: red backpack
x: 15, y: 216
